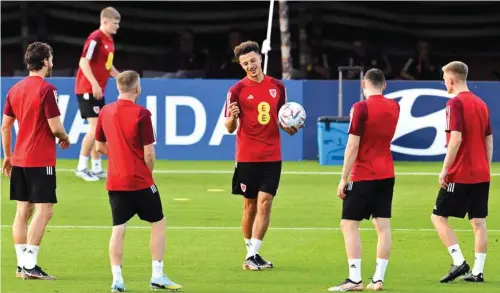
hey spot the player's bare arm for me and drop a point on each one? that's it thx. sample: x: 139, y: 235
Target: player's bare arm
x: 232, y: 121
x: 114, y: 72
x: 150, y: 156
x: 58, y: 131
x: 350, y: 155
x: 101, y: 147
x: 451, y: 153
x: 87, y: 71
x: 7, y: 124
x: 489, y: 147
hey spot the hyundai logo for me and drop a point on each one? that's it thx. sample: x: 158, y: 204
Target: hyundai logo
x: 408, y: 124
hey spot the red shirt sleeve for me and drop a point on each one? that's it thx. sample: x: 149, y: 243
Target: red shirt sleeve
x: 454, y: 116
x: 90, y: 47
x: 146, y: 127
x: 99, y: 131
x: 7, y: 110
x: 49, y: 97
x: 231, y: 97
x: 283, y: 98
x: 489, y: 131
x: 359, y: 113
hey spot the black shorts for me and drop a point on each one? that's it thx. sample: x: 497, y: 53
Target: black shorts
x: 146, y: 203
x: 89, y: 106
x: 460, y: 199
x: 33, y: 184
x: 251, y: 177
x: 368, y: 198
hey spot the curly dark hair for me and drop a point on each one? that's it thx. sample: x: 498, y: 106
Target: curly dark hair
x: 245, y: 48
x: 35, y: 54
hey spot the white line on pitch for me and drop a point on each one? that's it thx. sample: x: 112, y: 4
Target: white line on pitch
x: 70, y: 227
x: 284, y: 172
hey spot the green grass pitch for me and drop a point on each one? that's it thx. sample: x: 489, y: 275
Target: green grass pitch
x: 205, y: 247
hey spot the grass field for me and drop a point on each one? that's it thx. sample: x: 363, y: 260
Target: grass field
x: 205, y: 247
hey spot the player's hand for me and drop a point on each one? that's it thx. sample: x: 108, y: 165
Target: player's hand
x: 443, y: 180
x: 64, y: 143
x: 341, y: 189
x: 7, y: 167
x: 97, y: 91
x: 234, y: 110
x: 291, y: 130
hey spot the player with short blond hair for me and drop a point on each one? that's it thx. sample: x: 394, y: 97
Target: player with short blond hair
x: 95, y: 68
x: 124, y: 133
x: 465, y: 176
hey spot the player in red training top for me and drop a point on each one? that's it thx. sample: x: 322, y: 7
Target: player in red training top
x: 33, y: 103
x: 368, y: 160
x: 96, y: 65
x: 124, y: 133
x: 254, y: 102
x: 465, y: 177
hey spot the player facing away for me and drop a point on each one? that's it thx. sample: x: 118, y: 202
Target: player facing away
x: 124, y: 133
x: 95, y: 67
x: 253, y: 103
x: 369, y: 192
x: 465, y: 177
x: 32, y: 102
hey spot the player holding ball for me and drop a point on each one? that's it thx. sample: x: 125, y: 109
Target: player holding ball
x: 253, y: 104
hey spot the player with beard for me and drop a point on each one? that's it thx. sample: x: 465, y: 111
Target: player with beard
x: 31, y: 168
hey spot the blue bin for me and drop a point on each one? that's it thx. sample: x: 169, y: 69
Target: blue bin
x: 333, y: 133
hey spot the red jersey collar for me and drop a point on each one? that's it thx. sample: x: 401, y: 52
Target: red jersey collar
x: 376, y: 97
x: 124, y: 101
x: 248, y: 81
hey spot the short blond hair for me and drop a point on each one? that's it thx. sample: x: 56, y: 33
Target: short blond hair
x: 110, y: 13
x: 127, y: 81
x: 458, y: 68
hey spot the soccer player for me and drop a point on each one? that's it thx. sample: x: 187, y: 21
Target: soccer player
x: 465, y: 177
x: 124, y: 133
x: 31, y: 168
x: 253, y: 103
x: 369, y: 192
x: 95, y: 67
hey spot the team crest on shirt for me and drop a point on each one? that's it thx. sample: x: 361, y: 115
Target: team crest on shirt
x: 272, y: 92
x: 96, y: 109
x: 243, y: 187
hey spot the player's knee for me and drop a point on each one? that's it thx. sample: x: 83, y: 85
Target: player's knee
x: 161, y: 224
x: 347, y: 225
x: 45, y: 211
x: 264, y: 207
x: 24, y: 211
x: 381, y: 225
x: 118, y: 232
x: 435, y: 219
x: 478, y: 224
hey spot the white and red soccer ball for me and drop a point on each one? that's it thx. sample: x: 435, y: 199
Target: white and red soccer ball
x: 292, y: 115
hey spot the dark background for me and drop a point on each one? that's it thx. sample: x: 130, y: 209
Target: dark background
x: 148, y: 39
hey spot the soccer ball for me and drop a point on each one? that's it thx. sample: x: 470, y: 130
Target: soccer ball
x: 292, y: 115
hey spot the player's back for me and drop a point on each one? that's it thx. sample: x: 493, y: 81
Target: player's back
x: 374, y: 160
x: 471, y: 164
x: 35, y: 143
x: 121, y: 123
